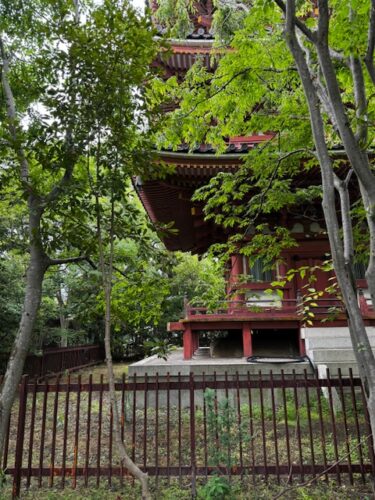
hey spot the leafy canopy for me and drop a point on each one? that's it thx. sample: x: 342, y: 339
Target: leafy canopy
x: 256, y: 88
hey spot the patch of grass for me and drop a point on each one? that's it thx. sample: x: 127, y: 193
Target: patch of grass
x: 98, y: 370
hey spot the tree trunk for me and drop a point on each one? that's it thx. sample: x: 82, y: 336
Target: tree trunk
x: 64, y: 322
x: 34, y: 279
x: 129, y: 464
x: 106, y: 271
x: 361, y: 345
x: 370, y: 216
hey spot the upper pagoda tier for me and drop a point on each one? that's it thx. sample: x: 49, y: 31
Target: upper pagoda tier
x: 200, y: 18
x: 196, y: 44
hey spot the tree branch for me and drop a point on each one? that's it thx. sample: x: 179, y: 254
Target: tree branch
x: 323, y: 22
x: 365, y: 358
x: 319, y: 85
x: 72, y: 153
x: 342, y: 188
x: 268, y: 187
x: 12, y: 118
x: 369, y: 57
x: 321, y: 474
x: 68, y: 260
x: 300, y: 25
x: 239, y: 73
x: 358, y: 159
x: 220, y: 89
x: 360, y: 101
x: 311, y: 35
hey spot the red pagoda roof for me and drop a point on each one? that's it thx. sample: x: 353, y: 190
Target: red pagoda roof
x: 169, y: 200
x: 184, y: 53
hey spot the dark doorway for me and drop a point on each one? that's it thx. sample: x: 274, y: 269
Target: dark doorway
x: 275, y: 343
x: 227, y: 344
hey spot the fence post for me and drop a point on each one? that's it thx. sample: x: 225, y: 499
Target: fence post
x: 370, y: 437
x: 20, y: 438
x: 192, y: 436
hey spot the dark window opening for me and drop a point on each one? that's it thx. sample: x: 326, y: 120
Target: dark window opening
x: 359, y: 270
x: 259, y: 271
x: 275, y: 343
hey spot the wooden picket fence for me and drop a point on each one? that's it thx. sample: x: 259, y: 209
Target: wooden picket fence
x: 285, y: 426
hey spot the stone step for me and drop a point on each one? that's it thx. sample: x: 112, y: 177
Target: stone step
x: 332, y: 355
x: 334, y: 332
x: 334, y: 368
x: 202, y: 352
x: 332, y: 342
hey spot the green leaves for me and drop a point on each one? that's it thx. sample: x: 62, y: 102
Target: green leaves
x: 255, y: 87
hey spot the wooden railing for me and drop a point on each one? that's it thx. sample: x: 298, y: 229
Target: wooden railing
x: 273, y: 306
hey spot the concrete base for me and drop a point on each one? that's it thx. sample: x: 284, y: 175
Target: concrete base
x: 332, y: 348
x: 175, y: 364
x: 176, y: 368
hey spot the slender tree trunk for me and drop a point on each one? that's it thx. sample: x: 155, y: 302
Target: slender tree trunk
x: 106, y: 271
x: 361, y: 345
x: 64, y: 322
x: 129, y: 464
x: 370, y: 216
x: 38, y: 265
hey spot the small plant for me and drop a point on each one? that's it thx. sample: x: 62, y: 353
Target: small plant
x: 216, y: 488
x: 222, y: 430
x: 224, y: 434
x: 3, y: 478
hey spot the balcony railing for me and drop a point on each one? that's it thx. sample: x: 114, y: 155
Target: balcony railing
x: 246, y: 307
x: 331, y: 308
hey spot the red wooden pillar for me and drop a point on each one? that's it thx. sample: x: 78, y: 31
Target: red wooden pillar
x: 235, y: 273
x: 302, y: 345
x: 362, y: 302
x: 236, y: 266
x: 188, y: 341
x: 247, y: 340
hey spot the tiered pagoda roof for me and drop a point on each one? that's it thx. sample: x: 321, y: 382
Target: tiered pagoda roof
x: 168, y: 200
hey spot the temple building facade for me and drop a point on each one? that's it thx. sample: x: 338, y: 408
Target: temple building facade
x: 255, y: 323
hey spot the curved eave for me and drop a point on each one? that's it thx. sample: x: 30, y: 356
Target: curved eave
x: 206, y: 44
x: 168, y: 200
x: 193, y: 157
x: 184, y: 53
x: 172, y: 205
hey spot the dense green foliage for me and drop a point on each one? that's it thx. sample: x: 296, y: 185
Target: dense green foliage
x: 145, y: 298
x: 78, y: 78
x: 256, y: 88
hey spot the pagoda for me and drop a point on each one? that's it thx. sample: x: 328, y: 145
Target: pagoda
x: 258, y: 324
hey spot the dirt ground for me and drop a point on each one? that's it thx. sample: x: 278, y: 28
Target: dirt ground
x: 98, y: 370
x: 240, y: 490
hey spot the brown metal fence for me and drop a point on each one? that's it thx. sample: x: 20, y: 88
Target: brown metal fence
x: 285, y: 426
x: 58, y: 360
